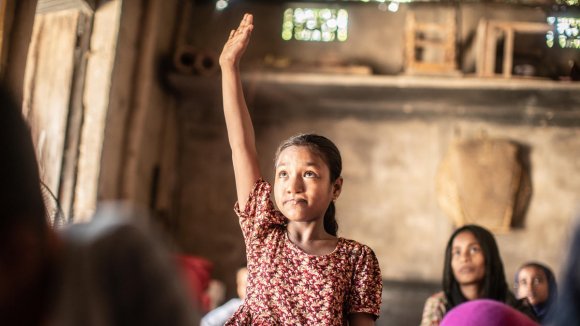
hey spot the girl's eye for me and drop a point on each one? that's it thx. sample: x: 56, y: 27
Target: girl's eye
x: 456, y: 252
x: 282, y: 174
x: 309, y: 174
x: 474, y: 249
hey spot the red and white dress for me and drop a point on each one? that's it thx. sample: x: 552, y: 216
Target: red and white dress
x: 286, y: 286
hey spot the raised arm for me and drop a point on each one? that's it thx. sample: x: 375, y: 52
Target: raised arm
x: 238, y: 121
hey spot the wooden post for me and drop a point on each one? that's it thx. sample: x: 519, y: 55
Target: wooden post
x: 490, y: 49
x: 508, y: 52
x: 410, y: 42
x: 481, y: 47
x: 16, y: 33
x: 4, y: 20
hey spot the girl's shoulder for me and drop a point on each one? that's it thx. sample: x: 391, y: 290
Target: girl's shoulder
x: 439, y: 296
x: 434, y: 309
x: 355, y: 248
x: 258, y: 199
x: 353, y: 243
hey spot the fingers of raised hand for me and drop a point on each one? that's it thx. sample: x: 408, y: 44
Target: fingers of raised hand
x: 246, y: 21
x: 245, y: 25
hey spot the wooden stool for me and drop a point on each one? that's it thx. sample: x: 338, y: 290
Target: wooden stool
x: 436, y: 39
x: 488, y: 32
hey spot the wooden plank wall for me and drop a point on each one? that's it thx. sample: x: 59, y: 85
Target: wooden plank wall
x: 5, y: 19
x: 48, y: 88
x: 16, y: 21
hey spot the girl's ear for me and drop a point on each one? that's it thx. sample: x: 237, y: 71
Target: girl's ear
x: 336, y: 188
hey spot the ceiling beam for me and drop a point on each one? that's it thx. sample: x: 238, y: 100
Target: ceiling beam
x: 45, y: 6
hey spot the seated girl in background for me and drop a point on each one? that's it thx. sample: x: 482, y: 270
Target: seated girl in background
x: 473, y: 269
x: 536, y: 283
x: 299, y: 271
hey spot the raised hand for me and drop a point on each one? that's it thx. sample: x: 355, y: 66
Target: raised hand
x: 237, y: 42
x: 238, y: 120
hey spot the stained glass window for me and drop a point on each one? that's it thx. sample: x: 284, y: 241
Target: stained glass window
x: 315, y: 24
x: 565, y: 33
x: 567, y: 2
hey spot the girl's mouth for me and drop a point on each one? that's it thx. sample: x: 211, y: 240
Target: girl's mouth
x: 295, y: 201
x: 466, y: 270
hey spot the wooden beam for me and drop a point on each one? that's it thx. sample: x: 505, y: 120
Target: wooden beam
x: 522, y: 27
x: 16, y: 34
x: 45, y: 6
x: 6, y: 13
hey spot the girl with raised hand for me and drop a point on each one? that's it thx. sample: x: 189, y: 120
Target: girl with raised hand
x: 300, y: 272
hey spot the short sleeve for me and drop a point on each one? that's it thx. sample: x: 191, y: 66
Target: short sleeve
x: 367, y: 285
x: 259, y: 215
x: 434, y: 310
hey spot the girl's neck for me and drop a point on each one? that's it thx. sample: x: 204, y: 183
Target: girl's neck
x: 470, y: 291
x: 307, y: 231
x: 311, y: 239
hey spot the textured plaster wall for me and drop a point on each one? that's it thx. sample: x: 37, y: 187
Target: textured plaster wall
x: 389, y: 199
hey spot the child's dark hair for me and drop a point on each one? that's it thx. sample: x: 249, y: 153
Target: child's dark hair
x: 20, y: 195
x: 331, y: 156
x: 494, y: 283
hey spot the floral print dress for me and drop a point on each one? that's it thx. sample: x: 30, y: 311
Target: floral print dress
x: 286, y: 286
x: 434, y: 310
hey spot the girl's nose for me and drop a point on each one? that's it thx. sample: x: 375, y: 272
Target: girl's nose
x: 529, y: 288
x: 466, y: 256
x: 295, y: 184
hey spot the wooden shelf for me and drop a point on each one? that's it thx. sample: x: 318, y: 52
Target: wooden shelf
x: 513, y: 101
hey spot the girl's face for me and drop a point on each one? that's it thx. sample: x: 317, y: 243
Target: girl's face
x: 532, y: 283
x: 302, y: 187
x: 467, y: 259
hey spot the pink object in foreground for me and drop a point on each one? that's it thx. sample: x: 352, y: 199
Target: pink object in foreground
x: 485, y: 312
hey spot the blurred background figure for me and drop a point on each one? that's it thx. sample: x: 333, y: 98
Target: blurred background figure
x: 27, y: 245
x: 222, y: 314
x: 536, y: 283
x: 473, y: 269
x: 111, y: 271
x: 197, y: 272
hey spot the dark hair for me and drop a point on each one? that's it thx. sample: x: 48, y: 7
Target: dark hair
x: 494, y: 285
x: 21, y: 199
x: 22, y: 208
x: 331, y: 156
x: 546, y: 310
